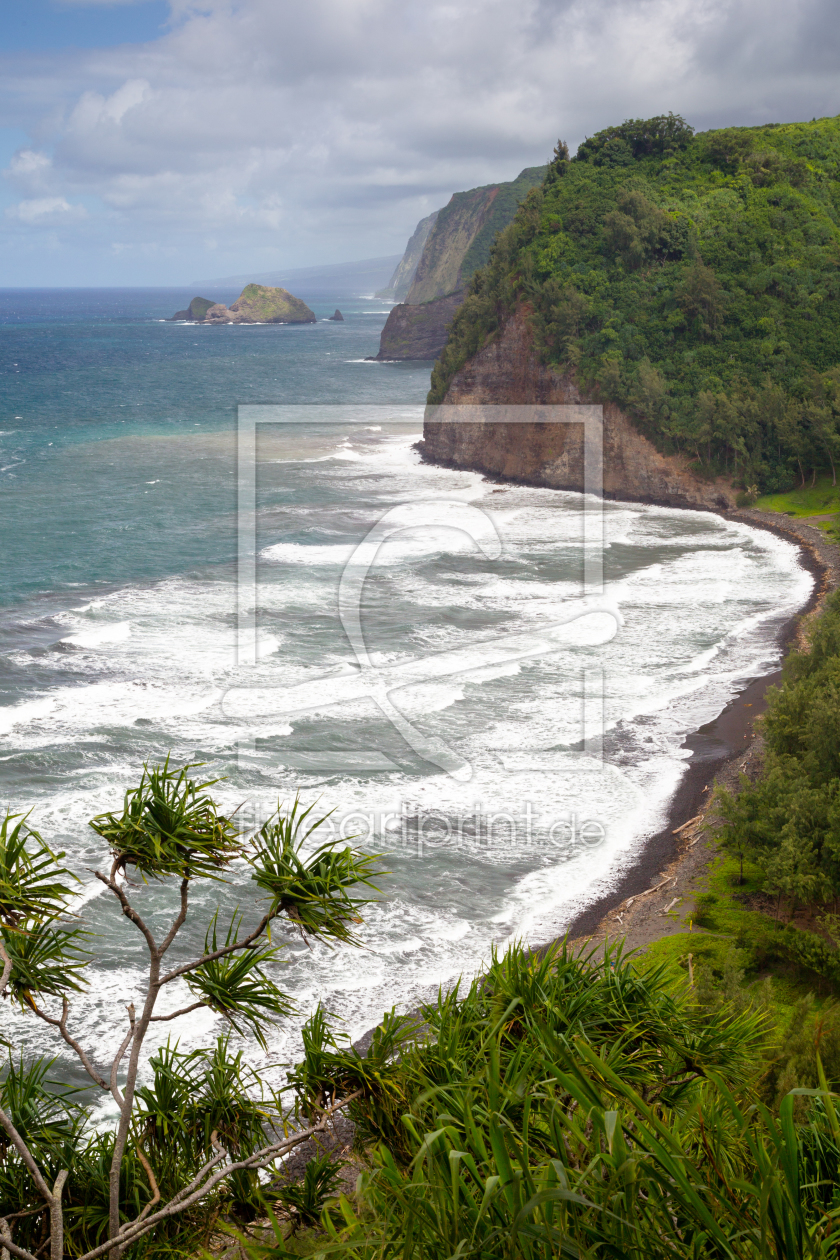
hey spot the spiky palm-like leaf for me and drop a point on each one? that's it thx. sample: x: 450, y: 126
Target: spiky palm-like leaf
x: 312, y: 891
x: 236, y: 985
x: 170, y: 826
x: 31, y: 877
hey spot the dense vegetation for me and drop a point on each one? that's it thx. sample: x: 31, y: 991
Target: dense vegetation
x: 692, y: 279
x: 190, y: 1139
x: 788, y: 821
x: 581, y: 1107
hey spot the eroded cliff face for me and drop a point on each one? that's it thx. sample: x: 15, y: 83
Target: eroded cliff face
x: 458, y: 243
x: 418, y: 332
x: 403, y: 277
x: 508, y: 371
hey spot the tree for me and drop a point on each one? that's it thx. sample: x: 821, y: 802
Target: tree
x: 700, y: 298
x: 638, y: 137
x: 202, y: 1122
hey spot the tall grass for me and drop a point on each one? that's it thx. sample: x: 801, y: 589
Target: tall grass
x: 576, y: 1106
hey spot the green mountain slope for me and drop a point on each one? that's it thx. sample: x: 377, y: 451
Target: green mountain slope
x: 692, y: 279
x: 463, y: 234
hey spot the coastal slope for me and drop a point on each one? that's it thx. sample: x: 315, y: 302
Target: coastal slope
x: 509, y: 371
x: 406, y: 268
x: 457, y: 244
x: 687, y: 282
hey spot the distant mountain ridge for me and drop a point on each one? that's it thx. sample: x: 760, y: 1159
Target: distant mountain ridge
x: 364, y: 276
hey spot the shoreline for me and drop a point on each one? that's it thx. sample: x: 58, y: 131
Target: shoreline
x: 718, y: 750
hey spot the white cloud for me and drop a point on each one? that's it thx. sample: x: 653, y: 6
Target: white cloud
x: 291, y: 132
x: 45, y: 210
x: 30, y: 171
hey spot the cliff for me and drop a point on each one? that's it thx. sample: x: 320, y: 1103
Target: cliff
x: 457, y: 245
x: 259, y: 304
x: 403, y: 276
x: 691, y: 281
x: 417, y: 332
x: 508, y: 371
x: 463, y: 233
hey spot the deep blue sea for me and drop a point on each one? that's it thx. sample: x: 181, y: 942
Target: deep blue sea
x: 118, y: 638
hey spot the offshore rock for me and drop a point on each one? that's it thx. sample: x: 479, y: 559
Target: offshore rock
x: 338, y: 318
x: 196, y: 310
x: 417, y: 332
x: 260, y: 304
x: 508, y: 371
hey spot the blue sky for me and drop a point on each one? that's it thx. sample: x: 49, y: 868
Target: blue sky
x: 45, y: 24
x: 161, y: 142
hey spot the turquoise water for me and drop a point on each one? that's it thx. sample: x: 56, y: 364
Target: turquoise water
x: 118, y: 536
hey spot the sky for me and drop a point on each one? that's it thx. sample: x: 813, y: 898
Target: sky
x: 154, y: 142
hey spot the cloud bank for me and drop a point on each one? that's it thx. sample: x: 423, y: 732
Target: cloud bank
x: 255, y: 134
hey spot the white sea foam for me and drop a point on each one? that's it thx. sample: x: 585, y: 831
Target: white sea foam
x: 99, y: 636
x: 699, y: 598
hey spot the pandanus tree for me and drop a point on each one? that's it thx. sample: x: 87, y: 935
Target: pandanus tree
x: 203, y: 1124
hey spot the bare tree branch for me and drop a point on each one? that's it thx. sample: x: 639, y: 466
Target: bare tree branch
x: 57, y: 1217
x: 10, y: 1247
x: 140, y: 1030
x: 185, y: 1010
x: 61, y: 1025
x: 7, y: 968
x: 115, y: 1089
x: 247, y: 942
x: 155, y: 1199
x: 128, y: 909
x: 5, y: 1236
x: 180, y: 919
x: 195, y: 1191
x: 23, y: 1150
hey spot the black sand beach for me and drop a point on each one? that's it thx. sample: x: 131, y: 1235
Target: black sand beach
x: 721, y: 749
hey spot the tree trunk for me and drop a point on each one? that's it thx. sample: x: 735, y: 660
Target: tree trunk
x: 57, y: 1218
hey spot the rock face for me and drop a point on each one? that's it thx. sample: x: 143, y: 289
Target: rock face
x: 458, y: 244
x: 404, y: 275
x: 463, y: 234
x: 259, y: 304
x: 196, y: 310
x: 338, y: 318
x: 508, y: 371
x: 418, y: 332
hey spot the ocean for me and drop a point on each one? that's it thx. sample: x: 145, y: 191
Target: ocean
x: 497, y: 813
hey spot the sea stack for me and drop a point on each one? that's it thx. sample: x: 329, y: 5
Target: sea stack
x: 256, y: 304
x: 338, y: 318
x: 196, y: 310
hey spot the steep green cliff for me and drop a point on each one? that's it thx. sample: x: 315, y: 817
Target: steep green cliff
x: 458, y: 243
x: 403, y: 276
x: 693, y: 280
x: 462, y: 236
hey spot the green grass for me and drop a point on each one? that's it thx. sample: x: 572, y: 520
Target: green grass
x: 726, y: 932
x: 822, y: 499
